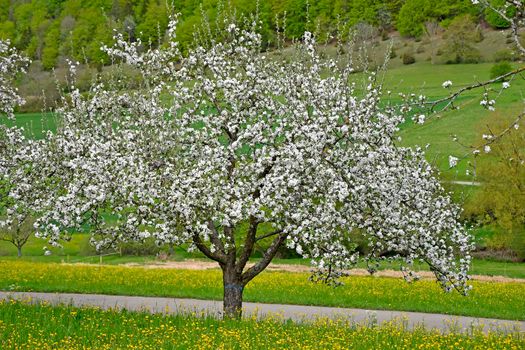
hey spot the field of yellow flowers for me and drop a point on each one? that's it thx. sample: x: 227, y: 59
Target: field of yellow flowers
x: 25, y: 326
x: 487, y: 299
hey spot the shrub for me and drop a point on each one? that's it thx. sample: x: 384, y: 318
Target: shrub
x: 504, y: 55
x: 509, y: 243
x: 500, y: 204
x: 148, y: 247
x: 500, y: 69
x: 393, y: 53
x: 408, y: 58
x: 472, y: 57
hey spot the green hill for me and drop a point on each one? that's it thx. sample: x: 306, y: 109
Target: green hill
x: 51, y: 30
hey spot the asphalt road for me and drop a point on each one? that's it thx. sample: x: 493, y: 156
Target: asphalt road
x: 298, y: 313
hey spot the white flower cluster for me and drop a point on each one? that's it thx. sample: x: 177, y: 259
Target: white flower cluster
x: 281, y: 150
x: 487, y: 103
x: 11, y: 63
x: 452, y: 161
x: 447, y: 84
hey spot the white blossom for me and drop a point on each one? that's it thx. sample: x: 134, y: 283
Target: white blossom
x: 447, y: 84
x: 452, y: 161
x: 11, y: 63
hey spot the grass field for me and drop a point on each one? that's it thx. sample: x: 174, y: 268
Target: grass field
x: 495, y: 300
x: 78, y: 251
x: 468, y: 123
x: 35, y: 124
x: 24, y: 326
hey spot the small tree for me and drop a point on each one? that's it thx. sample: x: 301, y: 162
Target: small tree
x: 461, y: 34
x: 18, y: 233
x: 501, y: 199
x: 432, y: 29
x: 412, y: 15
x: 249, y: 149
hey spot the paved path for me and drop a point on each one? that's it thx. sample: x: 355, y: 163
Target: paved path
x: 294, y: 312
x: 464, y: 183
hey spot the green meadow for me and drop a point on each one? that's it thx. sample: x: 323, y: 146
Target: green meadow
x: 505, y: 300
x: 64, y: 327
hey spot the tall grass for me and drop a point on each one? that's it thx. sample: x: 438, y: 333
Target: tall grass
x: 24, y: 326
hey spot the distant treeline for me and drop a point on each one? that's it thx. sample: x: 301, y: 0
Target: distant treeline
x: 49, y: 30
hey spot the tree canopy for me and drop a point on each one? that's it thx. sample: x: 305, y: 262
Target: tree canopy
x: 230, y: 145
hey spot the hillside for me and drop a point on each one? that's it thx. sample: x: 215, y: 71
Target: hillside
x: 52, y: 30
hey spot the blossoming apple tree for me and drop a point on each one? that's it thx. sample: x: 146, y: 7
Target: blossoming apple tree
x: 230, y: 147
x: 18, y: 198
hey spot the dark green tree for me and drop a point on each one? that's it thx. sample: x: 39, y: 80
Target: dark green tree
x: 412, y: 16
x: 51, y: 47
x: 154, y: 23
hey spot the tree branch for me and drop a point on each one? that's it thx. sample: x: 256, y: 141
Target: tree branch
x: 248, y: 245
x: 494, y: 139
x: 514, y: 21
x: 276, y: 232
x: 214, y: 237
x: 231, y: 252
x: 451, y: 98
x: 219, y: 257
x: 266, y: 259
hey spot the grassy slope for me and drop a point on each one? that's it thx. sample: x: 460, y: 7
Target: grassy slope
x: 497, y: 300
x: 35, y: 124
x: 468, y: 123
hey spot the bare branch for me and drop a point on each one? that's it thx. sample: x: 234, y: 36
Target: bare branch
x: 261, y: 237
x: 253, y: 271
x: 214, y: 237
x: 451, y: 98
x: 216, y: 256
x: 248, y: 245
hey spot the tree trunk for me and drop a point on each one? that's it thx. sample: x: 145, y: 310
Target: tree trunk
x: 19, y: 248
x: 233, y: 289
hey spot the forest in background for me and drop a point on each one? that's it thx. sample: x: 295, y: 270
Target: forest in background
x: 51, y: 30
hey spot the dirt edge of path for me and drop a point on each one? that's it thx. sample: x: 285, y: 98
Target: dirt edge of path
x: 207, y: 265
